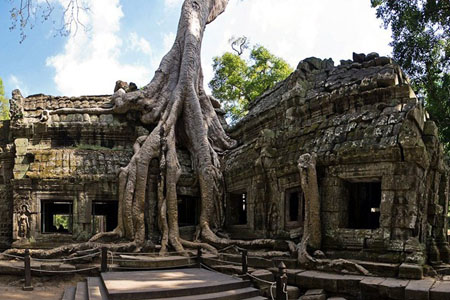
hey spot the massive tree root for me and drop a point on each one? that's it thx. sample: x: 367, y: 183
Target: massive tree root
x: 178, y: 111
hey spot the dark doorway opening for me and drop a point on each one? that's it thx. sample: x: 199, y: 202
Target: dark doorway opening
x: 364, y: 205
x: 295, y: 207
x: 104, y: 216
x: 237, y: 209
x: 56, y: 216
x: 188, y: 208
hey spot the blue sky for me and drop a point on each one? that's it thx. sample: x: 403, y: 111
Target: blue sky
x: 127, y: 39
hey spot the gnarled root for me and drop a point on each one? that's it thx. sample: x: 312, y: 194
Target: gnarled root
x: 334, y: 265
x: 71, y: 249
x: 176, y: 108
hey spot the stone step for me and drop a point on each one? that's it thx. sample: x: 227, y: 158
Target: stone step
x: 96, y: 289
x: 237, y: 294
x: 166, y: 284
x: 259, y: 262
x: 81, y: 293
x: 69, y: 293
x: 153, y: 262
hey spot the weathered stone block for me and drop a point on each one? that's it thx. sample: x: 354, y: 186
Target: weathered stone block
x: 419, y: 289
x: 21, y: 146
x: 369, y: 287
x: 393, y: 288
x: 440, y: 291
x: 410, y: 271
x: 315, y: 294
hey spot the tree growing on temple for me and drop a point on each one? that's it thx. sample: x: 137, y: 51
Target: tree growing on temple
x: 421, y: 45
x: 176, y: 110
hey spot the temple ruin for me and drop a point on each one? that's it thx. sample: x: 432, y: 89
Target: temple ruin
x: 376, y: 189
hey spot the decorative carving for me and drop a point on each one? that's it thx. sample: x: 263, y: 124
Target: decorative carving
x: 23, y: 222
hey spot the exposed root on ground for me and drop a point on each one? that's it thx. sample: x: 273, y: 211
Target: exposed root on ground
x: 329, y: 265
x: 73, y: 249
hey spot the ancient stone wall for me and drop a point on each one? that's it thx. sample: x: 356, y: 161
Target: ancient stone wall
x: 368, y: 129
x: 75, y: 159
x: 6, y: 166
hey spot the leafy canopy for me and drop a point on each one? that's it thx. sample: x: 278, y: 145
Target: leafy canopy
x: 238, y: 81
x: 421, y: 45
x: 4, y: 103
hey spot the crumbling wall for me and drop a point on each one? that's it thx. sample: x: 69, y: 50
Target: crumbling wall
x: 73, y: 158
x: 6, y: 166
x: 366, y: 126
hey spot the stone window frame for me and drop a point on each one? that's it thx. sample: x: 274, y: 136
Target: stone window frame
x: 364, y: 172
x: 288, y: 225
x: 364, y: 180
x: 40, y: 212
x: 288, y: 182
x: 57, y: 195
x: 249, y: 212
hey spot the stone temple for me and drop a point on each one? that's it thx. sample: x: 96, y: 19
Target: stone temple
x: 383, y: 182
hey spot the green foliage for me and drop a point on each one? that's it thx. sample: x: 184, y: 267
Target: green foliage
x: 61, y: 220
x: 421, y: 45
x: 4, y: 103
x: 237, y: 82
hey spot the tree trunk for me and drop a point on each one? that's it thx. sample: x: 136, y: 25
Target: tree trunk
x: 176, y: 106
x: 308, y: 178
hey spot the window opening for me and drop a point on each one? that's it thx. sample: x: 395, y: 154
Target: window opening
x: 104, y: 216
x: 237, y: 209
x: 56, y: 216
x: 295, y: 207
x: 188, y: 211
x: 364, y: 205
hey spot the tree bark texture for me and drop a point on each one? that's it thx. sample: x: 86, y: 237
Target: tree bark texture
x: 174, y: 104
x: 308, y: 179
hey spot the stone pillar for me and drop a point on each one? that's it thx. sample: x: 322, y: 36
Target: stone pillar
x: 309, y: 183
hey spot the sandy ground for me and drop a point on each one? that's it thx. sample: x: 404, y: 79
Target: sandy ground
x: 45, y: 288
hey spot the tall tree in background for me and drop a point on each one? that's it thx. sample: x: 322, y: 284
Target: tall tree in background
x: 421, y: 45
x: 4, y: 104
x: 237, y: 81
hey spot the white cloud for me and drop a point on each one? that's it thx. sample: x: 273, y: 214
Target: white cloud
x: 296, y: 29
x: 172, y: 3
x: 16, y: 83
x: 90, y: 63
x: 137, y: 43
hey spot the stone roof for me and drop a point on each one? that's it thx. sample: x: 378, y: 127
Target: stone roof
x: 346, y: 113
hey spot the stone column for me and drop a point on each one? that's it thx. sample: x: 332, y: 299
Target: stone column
x: 309, y: 183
